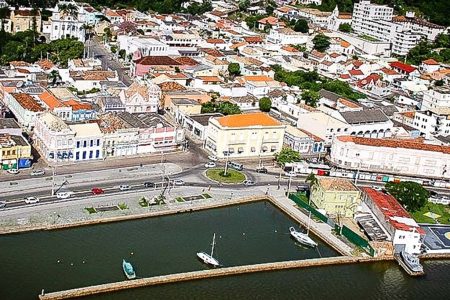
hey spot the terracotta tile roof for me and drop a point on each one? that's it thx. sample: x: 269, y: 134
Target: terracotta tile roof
x: 45, y: 64
x: 357, y: 63
x: 171, y: 86
x: 24, y: 71
x: 345, y: 44
x: 409, y: 114
x: 284, y: 9
x: 389, y: 71
x: 318, y: 54
x: 289, y: 49
x: 248, y: 120
x: 210, y: 78
x: 19, y: 63
x: 415, y: 144
x: 313, y: 136
x: 253, y: 39
x: 336, y: 184
x: 213, y: 52
x: 401, y: 66
x: 157, y: 61
x: 431, y: 62
x: 372, y: 78
x: 346, y: 16
x: 345, y: 76
x: 334, y: 55
x: 269, y: 20
x: 76, y: 105
x: 187, y: 61
x: 27, y: 102
x: 215, y: 41
x: 355, y: 72
x: 50, y: 100
x: 348, y: 103
x: 257, y: 78
x: 393, y: 212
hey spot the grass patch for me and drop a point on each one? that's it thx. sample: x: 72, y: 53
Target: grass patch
x: 90, y: 210
x: 440, y: 209
x: 206, y: 196
x: 232, y: 176
x: 122, y: 206
x: 368, y: 38
x: 143, y: 202
x: 179, y: 199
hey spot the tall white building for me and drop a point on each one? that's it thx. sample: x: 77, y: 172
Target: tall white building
x: 364, y: 12
x: 66, y: 22
x: 436, y: 98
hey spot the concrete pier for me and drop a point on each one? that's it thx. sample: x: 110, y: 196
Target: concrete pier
x: 195, y: 275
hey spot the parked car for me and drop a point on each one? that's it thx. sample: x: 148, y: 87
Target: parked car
x: 13, y: 171
x: 124, y: 187
x: 261, y: 170
x: 31, y: 200
x: 37, y: 173
x: 63, y: 195
x: 97, y: 191
x: 212, y: 158
x: 290, y: 174
x: 302, y: 188
x: 210, y: 164
x: 236, y: 166
x: 178, y: 182
x: 249, y: 182
x: 149, y: 184
x: 2, y: 204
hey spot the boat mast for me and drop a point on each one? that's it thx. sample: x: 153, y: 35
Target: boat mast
x: 309, y: 222
x: 213, y: 243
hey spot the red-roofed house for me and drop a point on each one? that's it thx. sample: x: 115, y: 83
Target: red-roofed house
x: 404, y: 68
x: 369, y: 82
x: 429, y: 66
x: 405, y: 233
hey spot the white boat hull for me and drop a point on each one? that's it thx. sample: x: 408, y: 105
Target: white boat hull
x: 208, y: 259
x: 302, y: 238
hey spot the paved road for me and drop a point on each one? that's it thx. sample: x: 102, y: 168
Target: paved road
x: 97, y: 48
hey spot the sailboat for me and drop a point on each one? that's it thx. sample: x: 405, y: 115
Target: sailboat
x: 128, y: 269
x: 208, y: 258
x: 303, y: 238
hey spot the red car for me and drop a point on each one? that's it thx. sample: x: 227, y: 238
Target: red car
x: 97, y: 191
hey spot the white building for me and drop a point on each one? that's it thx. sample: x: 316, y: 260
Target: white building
x: 405, y: 234
x: 24, y: 107
x: 53, y: 138
x: 368, y: 123
x: 286, y: 36
x: 396, y: 156
x: 432, y: 122
x: 88, y: 141
x: 141, y: 96
x: 144, y: 45
x: 438, y: 97
x: 323, y: 126
x: 64, y: 24
x: 364, y: 12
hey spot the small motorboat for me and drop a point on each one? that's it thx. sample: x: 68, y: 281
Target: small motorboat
x: 412, y: 261
x: 302, y: 238
x: 128, y: 269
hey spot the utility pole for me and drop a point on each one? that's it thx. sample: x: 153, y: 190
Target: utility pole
x: 357, y: 170
x: 279, y: 179
x: 227, y: 155
x: 53, y: 179
x: 289, y: 186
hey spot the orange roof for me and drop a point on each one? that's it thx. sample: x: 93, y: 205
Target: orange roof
x: 289, y: 49
x: 210, y: 78
x: 237, y: 45
x: 345, y: 44
x: 430, y: 61
x: 50, y: 100
x: 76, y: 105
x: 389, y: 71
x: 27, y: 102
x: 257, y: 78
x: 247, y: 120
x: 408, y: 114
x: 215, y: 41
x: 348, y: 103
x: 416, y: 144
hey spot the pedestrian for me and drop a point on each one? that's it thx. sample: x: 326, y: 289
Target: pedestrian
x: 209, y: 187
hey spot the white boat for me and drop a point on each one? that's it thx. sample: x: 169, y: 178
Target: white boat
x: 208, y: 258
x: 412, y: 261
x: 302, y: 238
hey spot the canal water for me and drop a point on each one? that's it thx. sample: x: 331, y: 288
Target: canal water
x: 58, y: 260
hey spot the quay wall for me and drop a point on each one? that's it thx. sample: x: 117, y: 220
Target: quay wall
x: 195, y: 275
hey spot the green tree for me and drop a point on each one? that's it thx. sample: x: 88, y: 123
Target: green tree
x: 54, y: 77
x: 227, y: 108
x: 234, y: 69
x: 208, y: 107
x: 287, y: 155
x: 301, y: 26
x: 310, y: 97
x: 411, y: 195
x: 345, y: 27
x: 244, y: 5
x: 312, y: 181
x: 265, y: 104
x: 321, y: 42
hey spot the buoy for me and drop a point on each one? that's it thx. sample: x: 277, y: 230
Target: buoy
x: 71, y: 264
x: 84, y: 262
x: 243, y: 233
x: 58, y: 261
x: 132, y: 253
x: 276, y: 230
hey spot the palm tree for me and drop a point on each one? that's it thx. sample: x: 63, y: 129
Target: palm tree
x: 68, y: 10
x: 312, y: 180
x: 54, y: 76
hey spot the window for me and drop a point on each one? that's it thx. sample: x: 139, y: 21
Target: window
x: 78, y: 144
x: 97, y: 153
x: 91, y: 154
x: 84, y: 154
x: 84, y: 143
x: 92, y: 143
x: 77, y: 155
x: 98, y: 142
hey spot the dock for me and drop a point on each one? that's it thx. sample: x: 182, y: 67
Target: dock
x: 406, y: 268
x: 196, y: 275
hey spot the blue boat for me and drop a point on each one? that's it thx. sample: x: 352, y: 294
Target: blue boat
x: 128, y: 269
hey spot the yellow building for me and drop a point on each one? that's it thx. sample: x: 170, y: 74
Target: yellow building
x: 15, y: 152
x: 244, y: 135
x: 23, y: 19
x: 337, y: 196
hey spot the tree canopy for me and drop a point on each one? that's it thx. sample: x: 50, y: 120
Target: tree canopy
x: 234, y: 69
x: 301, y: 26
x: 411, y: 195
x: 438, y: 50
x: 265, y: 104
x: 345, y: 27
x: 225, y: 108
x: 287, y: 155
x: 310, y: 97
x: 321, y: 42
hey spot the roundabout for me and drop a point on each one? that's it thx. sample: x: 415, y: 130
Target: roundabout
x: 232, y: 176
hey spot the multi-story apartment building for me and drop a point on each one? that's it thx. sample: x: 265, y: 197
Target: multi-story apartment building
x: 66, y: 23
x: 438, y: 97
x: 15, y: 152
x: 245, y: 135
x: 432, y: 122
x: 364, y: 12
x: 88, y: 141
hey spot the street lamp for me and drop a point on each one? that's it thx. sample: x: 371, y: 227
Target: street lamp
x: 227, y: 155
x: 357, y: 170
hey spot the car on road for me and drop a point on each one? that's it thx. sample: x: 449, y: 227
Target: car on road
x: 2, y: 204
x: 235, y: 165
x: 149, y: 184
x: 124, y: 187
x: 290, y: 173
x: 249, y: 182
x: 261, y: 170
x: 178, y: 182
x: 37, y: 173
x: 97, y: 191
x: 212, y: 158
x: 31, y: 200
x: 210, y: 164
x: 13, y: 171
x: 63, y: 195
x: 377, y: 188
